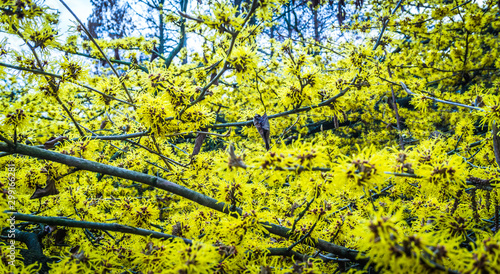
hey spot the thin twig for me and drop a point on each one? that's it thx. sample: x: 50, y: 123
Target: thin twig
x: 36, y: 71
x: 100, y: 50
x: 398, y: 119
x: 226, y: 61
x: 70, y: 115
x: 304, y: 237
x: 385, y: 25
x: 289, y: 128
x: 301, y: 214
x: 156, y: 153
x: 118, y: 137
x: 159, y: 152
x: 441, y: 101
x: 288, y: 112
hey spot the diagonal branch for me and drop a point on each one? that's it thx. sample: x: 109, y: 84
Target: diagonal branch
x: 36, y: 71
x: 100, y: 50
x: 385, y: 25
x: 52, y: 83
x: 182, y: 39
x: 166, y: 185
x: 225, y: 66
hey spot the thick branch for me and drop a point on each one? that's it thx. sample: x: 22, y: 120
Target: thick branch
x: 160, y: 183
x: 62, y: 221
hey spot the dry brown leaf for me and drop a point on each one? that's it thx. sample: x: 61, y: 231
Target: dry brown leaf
x: 52, y: 141
x: 176, y: 229
x: 59, y: 236
x: 103, y: 124
x: 150, y: 248
x: 235, y: 161
x: 227, y: 250
x: 263, y: 127
x: 496, y: 143
x: 49, y: 229
x: 78, y: 255
x: 154, y: 54
x: 199, y: 142
x: 49, y: 189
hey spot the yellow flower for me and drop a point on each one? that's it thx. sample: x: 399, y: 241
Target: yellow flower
x: 492, y: 110
x: 365, y: 169
x: 244, y: 61
x: 73, y: 70
x: 15, y: 118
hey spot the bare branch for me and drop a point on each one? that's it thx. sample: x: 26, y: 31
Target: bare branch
x: 100, y: 50
x: 160, y: 183
x: 441, y: 101
x: 62, y: 221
